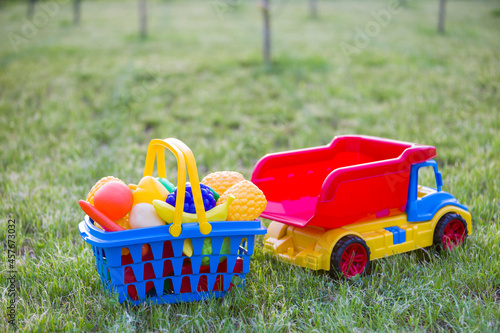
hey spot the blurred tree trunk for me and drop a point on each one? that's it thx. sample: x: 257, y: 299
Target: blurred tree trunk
x: 266, y: 31
x: 31, y: 8
x: 76, y: 11
x: 143, y: 19
x: 442, y: 13
x: 313, y: 8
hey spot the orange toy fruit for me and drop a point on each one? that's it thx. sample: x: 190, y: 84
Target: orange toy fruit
x: 249, y: 203
x: 98, y: 185
x: 114, y: 199
x: 222, y: 180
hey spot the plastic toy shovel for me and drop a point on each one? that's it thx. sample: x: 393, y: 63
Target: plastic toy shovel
x: 99, y: 217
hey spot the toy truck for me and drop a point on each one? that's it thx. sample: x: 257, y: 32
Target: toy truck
x: 337, y: 207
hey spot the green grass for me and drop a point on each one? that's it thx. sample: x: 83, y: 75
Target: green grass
x: 80, y: 103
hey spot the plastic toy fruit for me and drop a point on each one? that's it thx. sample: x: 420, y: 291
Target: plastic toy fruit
x: 209, y: 201
x: 222, y: 180
x: 148, y: 190
x: 114, y: 199
x: 98, y: 185
x: 218, y: 213
x: 99, y: 217
x: 250, y: 201
x: 144, y: 215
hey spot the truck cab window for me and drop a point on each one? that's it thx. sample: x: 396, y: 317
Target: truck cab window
x: 426, y: 181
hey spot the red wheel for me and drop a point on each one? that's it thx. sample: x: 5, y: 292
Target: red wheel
x: 453, y: 235
x: 350, y: 257
x: 451, y: 232
x: 353, y: 260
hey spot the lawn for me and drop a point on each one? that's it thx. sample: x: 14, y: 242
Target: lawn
x: 80, y: 103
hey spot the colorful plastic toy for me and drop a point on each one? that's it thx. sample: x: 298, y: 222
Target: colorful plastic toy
x: 337, y: 207
x: 148, y: 265
x: 249, y: 203
x: 206, y: 193
x: 220, y: 181
x: 98, y: 185
x: 114, y: 199
x: 143, y: 215
x: 104, y: 221
x: 149, y: 189
x: 167, y: 212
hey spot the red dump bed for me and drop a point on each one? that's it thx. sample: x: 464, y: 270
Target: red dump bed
x: 353, y: 179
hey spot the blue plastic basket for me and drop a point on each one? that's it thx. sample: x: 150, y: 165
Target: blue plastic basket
x: 148, y: 265
x: 107, y: 248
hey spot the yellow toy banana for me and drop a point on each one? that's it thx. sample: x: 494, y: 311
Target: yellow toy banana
x: 166, y: 212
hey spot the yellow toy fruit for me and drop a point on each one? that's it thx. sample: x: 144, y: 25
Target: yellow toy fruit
x: 166, y: 212
x: 147, y: 190
x: 249, y: 203
x: 98, y: 185
x: 222, y: 180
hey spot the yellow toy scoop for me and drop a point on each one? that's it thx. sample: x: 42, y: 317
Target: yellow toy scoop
x: 166, y: 212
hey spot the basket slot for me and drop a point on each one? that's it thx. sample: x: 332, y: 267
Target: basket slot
x: 147, y: 254
x: 186, y: 285
x: 177, y: 245
x: 195, y: 264
x: 243, y: 247
x: 238, y: 268
x: 197, y: 245
x: 231, y: 261
x: 186, y: 267
x: 149, y: 272
x: 129, y: 276
x: 132, y: 292
x: 168, y: 269
x: 202, y: 283
x: 176, y: 281
x: 219, y: 283
x: 177, y: 265
x: 222, y: 267
x: 150, y: 289
x: 168, y: 251
x: 126, y: 259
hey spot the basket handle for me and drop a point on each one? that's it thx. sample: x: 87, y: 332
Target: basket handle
x: 185, y: 158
